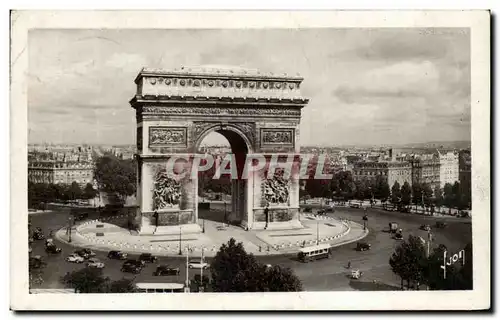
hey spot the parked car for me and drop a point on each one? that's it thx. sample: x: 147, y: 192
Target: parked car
x: 440, y: 224
x: 132, y: 266
x: 147, y: 257
x: 355, y: 206
x: 38, y: 235
x: 398, y: 236
x: 308, y: 210
x: 117, y: 255
x: 36, y: 262
x: 164, y: 270
x: 198, y: 264
x: 53, y: 249
x: 85, y: 253
x: 363, y: 246
x: 95, y: 263
x: 425, y: 227
x: 75, y: 258
x: 321, y: 212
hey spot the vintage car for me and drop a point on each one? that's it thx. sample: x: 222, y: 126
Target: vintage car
x: 95, y: 263
x: 36, y: 262
x: 52, y: 248
x: 398, y: 236
x: 356, y: 274
x: 164, y: 270
x: 363, y: 246
x: 198, y: 264
x: 425, y: 227
x: 440, y: 224
x: 132, y: 266
x: 75, y: 258
x: 147, y: 257
x: 117, y: 255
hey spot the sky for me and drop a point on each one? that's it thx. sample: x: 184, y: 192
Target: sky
x: 366, y: 86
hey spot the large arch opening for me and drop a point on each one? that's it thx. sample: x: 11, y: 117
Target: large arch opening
x: 223, y: 199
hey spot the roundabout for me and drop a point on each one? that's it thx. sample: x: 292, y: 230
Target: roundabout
x: 322, y: 275
x: 107, y: 234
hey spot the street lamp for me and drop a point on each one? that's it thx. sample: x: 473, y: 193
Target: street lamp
x: 180, y: 240
x: 70, y: 226
x: 365, y: 220
x: 203, y: 221
x: 317, y: 232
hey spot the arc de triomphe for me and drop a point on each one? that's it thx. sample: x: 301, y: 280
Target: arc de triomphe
x: 257, y: 113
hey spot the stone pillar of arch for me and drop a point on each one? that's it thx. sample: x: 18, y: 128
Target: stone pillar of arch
x: 175, y: 109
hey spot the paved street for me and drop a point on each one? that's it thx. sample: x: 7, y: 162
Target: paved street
x: 320, y: 275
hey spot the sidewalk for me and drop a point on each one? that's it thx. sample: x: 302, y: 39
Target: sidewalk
x: 106, y: 236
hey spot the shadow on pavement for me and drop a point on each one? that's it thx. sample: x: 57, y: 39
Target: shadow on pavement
x: 372, y: 286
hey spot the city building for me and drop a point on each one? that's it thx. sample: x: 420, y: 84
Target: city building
x: 426, y: 169
x: 391, y: 171
x: 61, y: 168
x: 448, y: 172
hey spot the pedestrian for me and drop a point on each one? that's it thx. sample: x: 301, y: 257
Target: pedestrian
x: 349, y: 265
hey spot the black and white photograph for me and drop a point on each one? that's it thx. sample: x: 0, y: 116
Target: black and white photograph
x: 241, y: 156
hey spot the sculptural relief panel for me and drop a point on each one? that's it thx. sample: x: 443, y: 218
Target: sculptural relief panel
x: 277, y: 136
x: 276, y: 190
x: 167, y: 136
x: 166, y: 190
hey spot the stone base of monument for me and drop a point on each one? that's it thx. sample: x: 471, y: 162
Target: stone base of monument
x: 282, y: 225
x: 151, y: 230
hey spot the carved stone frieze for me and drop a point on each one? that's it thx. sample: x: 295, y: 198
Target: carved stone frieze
x: 277, y: 136
x: 199, y: 110
x: 160, y: 136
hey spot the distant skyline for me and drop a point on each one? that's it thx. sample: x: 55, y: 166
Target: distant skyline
x: 366, y: 86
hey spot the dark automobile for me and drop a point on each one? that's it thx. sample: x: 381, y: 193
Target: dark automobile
x: 321, y: 212
x: 85, y: 253
x: 80, y: 216
x: 53, y: 249
x: 330, y: 210
x: 425, y: 227
x: 404, y: 210
x: 440, y: 225
x: 147, y: 257
x: 398, y: 236
x: 308, y: 209
x: 163, y: 270
x: 36, y: 262
x: 117, y: 255
x: 363, y: 246
x: 355, y: 206
x: 131, y: 266
x: 38, y: 235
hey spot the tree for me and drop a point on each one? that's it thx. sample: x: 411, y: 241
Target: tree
x: 438, y: 196
x: 361, y: 190
x: 416, y: 192
x: 382, y: 190
x: 89, y: 192
x: 86, y: 280
x: 121, y: 286
x: 406, y: 194
x: 457, y: 277
x: 427, y: 192
x: 234, y: 270
x: 74, y: 191
x: 115, y: 175
x: 409, y: 260
x: 395, y: 193
x: 448, y: 195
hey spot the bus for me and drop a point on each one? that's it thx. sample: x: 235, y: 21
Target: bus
x: 315, y: 252
x: 159, y: 287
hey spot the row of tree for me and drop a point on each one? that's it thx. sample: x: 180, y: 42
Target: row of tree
x: 343, y: 187
x: 232, y: 270
x: 411, y: 263
x: 41, y: 193
x: 116, y: 175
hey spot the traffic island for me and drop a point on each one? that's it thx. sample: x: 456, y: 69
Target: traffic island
x: 106, y: 236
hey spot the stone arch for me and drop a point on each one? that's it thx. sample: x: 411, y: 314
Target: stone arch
x: 234, y: 134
